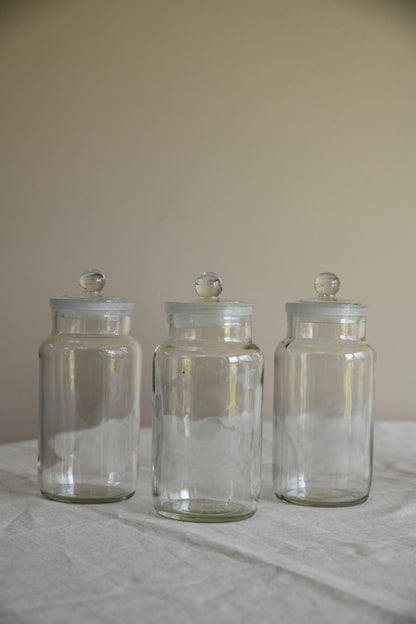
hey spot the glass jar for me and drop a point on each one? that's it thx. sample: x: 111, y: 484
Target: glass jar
x: 323, y: 402
x: 208, y: 379
x: 89, y: 398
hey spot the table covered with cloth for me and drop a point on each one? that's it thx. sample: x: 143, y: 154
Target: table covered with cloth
x: 120, y: 562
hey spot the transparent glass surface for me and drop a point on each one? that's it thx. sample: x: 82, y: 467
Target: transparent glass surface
x: 89, y: 411
x: 323, y: 414
x: 207, y: 424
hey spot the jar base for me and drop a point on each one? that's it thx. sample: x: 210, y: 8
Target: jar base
x: 88, y: 494
x: 204, y: 510
x: 323, y: 497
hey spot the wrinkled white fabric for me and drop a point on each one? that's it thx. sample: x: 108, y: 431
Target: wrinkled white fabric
x: 119, y: 562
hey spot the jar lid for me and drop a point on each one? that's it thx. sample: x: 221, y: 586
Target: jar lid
x: 208, y: 310
x: 91, y: 302
x: 326, y: 307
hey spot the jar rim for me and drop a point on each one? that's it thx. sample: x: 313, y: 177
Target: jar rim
x: 336, y: 311
x: 209, y: 314
x: 95, y: 306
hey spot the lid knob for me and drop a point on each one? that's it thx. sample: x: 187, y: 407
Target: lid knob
x: 208, y: 286
x: 327, y: 284
x: 92, y: 281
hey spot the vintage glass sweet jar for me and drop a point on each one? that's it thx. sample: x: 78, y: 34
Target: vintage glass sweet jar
x: 89, y: 398
x: 324, y: 401
x: 208, y: 378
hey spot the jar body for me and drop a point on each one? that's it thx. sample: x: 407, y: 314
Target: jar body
x: 89, y: 412
x: 323, y: 415
x: 207, y: 427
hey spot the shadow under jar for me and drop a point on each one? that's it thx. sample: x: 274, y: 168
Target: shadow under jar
x: 89, y: 398
x: 208, y: 378
x: 323, y: 402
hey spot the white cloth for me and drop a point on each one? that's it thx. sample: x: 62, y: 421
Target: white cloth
x: 119, y: 562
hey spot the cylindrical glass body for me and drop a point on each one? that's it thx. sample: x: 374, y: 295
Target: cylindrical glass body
x: 323, y: 414
x: 207, y: 423
x: 89, y: 409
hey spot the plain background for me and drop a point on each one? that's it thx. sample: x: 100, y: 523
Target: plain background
x: 265, y: 140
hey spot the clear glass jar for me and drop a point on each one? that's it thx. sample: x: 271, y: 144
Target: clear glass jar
x: 89, y: 398
x: 208, y: 378
x: 323, y: 402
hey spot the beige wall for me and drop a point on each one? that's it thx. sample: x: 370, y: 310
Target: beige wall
x: 265, y: 140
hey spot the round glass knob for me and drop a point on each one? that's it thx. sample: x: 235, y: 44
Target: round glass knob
x: 327, y: 284
x: 92, y: 281
x: 208, y: 285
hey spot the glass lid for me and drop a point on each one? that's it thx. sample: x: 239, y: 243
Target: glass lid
x: 209, y: 310
x: 326, y: 306
x: 90, y: 302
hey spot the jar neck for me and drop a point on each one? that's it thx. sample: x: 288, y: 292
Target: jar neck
x: 326, y: 330
x: 113, y: 326
x: 239, y: 333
